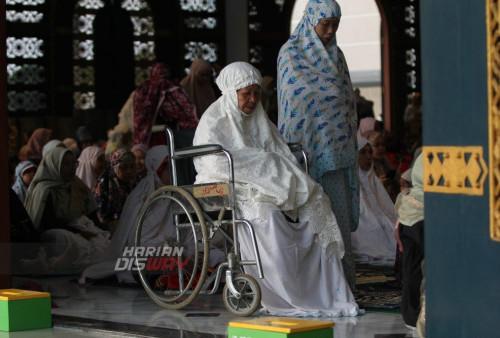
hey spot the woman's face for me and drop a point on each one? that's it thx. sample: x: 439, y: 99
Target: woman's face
x: 68, y: 167
x: 378, y: 147
x: 248, y: 98
x: 28, y: 175
x: 365, y: 157
x: 140, y: 160
x: 205, y: 76
x: 127, y: 171
x: 100, y: 165
x: 326, y: 29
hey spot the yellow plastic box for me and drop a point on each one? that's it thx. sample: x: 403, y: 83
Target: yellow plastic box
x: 280, y: 327
x: 24, y: 310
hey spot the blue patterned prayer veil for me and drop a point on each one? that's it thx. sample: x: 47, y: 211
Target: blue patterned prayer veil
x: 315, y: 97
x: 322, y: 9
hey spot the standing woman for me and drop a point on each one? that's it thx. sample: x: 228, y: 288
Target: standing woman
x: 198, y: 85
x: 317, y: 109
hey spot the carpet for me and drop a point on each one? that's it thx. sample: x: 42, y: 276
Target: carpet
x: 377, y: 289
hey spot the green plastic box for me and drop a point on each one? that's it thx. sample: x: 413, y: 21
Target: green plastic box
x: 24, y: 310
x: 280, y: 327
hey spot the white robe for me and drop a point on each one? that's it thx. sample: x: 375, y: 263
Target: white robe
x: 301, y: 261
x: 374, y: 242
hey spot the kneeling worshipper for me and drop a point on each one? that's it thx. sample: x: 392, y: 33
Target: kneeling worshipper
x: 153, y: 236
x: 301, y: 259
x: 373, y: 242
x: 63, y: 211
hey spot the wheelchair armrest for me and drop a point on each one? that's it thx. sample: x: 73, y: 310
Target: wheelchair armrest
x: 195, y: 151
x: 295, y: 147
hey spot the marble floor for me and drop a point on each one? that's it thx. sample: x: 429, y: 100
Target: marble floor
x: 110, y: 311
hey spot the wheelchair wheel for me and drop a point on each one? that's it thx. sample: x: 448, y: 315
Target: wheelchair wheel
x: 250, y: 295
x: 173, y: 270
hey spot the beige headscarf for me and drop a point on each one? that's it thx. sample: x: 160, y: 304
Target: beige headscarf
x: 201, y: 94
x: 410, y: 202
x: 70, y: 199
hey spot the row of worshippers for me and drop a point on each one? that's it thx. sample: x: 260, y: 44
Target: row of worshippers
x: 303, y: 227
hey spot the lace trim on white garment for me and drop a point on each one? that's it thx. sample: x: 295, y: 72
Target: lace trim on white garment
x: 316, y: 212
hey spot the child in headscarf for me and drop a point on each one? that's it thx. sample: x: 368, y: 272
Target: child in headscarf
x: 25, y: 172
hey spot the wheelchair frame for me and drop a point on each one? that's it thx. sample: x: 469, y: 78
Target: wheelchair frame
x: 241, y: 292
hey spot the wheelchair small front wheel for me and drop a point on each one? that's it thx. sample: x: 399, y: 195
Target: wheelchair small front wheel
x: 250, y: 292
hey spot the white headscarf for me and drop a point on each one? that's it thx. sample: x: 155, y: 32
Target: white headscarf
x: 86, y: 164
x: 374, y: 240
x: 316, y: 100
x: 267, y: 175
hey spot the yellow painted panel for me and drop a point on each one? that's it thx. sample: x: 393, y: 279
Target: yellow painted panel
x: 282, y: 324
x: 454, y: 170
x: 493, y: 60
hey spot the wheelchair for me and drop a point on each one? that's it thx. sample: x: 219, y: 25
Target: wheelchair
x: 177, y: 268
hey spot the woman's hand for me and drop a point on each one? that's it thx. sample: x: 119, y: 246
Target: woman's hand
x: 396, y: 235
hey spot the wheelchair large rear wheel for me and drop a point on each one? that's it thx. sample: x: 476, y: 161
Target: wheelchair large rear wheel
x: 250, y: 292
x: 174, y: 258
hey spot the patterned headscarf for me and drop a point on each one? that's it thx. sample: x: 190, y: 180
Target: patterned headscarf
x: 315, y: 97
x: 110, y: 191
x: 19, y: 187
x: 160, y: 100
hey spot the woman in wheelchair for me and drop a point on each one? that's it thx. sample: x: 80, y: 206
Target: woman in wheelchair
x: 301, y: 258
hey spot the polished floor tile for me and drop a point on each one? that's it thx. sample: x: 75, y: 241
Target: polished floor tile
x: 127, y: 311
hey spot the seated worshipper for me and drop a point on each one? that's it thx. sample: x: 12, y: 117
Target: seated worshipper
x: 84, y: 138
x: 373, y: 242
x: 153, y: 236
x: 91, y: 165
x: 62, y: 209
x: 139, y: 151
x: 51, y: 145
x: 158, y: 101
x: 124, y: 236
x: 410, y: 209
x: 35, y: 144
x: 301, y: 260
x: 25, y: 171
x: 388, y: 175
x: 114, y: 186
x: 198, y: 85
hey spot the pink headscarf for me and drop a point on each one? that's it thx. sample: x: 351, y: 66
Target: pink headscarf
x: 366, y: 125
x: 86, y: 163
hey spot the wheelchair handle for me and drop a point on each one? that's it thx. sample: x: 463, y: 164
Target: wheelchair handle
x: 195, y: 151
